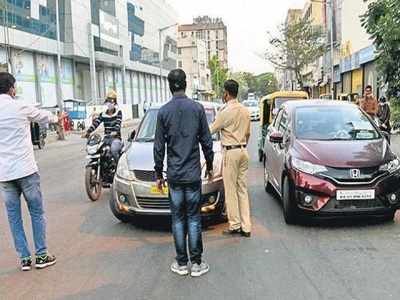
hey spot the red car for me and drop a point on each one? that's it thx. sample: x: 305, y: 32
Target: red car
x: 329, y: 159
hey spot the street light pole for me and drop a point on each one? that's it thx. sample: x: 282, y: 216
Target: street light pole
x: 332, y: 48
x: 160, y: 31
x: 59, y: 94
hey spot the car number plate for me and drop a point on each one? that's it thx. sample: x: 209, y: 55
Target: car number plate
x: 355, y: 195
x: 155, y: 191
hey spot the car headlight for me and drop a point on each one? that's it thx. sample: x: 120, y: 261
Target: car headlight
x: 391, y: 166
x: 123, y: 169
x: 307, y: 167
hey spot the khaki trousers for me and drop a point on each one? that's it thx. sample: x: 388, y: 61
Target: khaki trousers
x: 236, y: 165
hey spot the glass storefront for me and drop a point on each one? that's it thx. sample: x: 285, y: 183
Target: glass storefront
x: 34, y: 17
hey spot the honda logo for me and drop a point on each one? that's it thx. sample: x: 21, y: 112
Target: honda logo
x: 355, y: 173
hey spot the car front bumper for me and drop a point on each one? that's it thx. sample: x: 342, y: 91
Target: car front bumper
x: 134, y: 198
x: 326, y: 205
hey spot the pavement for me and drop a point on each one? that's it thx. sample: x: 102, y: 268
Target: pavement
x: 101, y: 258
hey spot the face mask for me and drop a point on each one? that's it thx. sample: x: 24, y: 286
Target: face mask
x: 110, y: 106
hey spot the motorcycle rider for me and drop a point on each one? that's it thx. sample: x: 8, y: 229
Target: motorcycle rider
x: 112, y: 120
x: 384, y: 114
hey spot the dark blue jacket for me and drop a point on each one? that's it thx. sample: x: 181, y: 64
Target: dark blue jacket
x: 182, y: 126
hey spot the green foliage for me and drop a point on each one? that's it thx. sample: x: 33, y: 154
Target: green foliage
x: 261, y: 85
x: 298, y: 45
x: 382, y: 22
x: 218, y: 76
x: 266, y: 84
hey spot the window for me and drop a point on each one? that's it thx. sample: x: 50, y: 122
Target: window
x: 283, y: 125
x: 180, y: 64
x: 278, y: 119
x: 179, y: 51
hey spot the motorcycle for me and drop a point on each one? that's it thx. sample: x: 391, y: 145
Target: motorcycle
x: 101, y: 167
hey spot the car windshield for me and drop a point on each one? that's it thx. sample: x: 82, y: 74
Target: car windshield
x: 147, y: 130
x: 250, y: 103
x: 330, y: 123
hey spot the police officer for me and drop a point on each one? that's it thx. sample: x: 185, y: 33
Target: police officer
x: 233, y: 122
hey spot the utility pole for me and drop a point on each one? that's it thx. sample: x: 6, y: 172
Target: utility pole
x: 92, y: 60
x: 59, y: 67
x: 332, y: 21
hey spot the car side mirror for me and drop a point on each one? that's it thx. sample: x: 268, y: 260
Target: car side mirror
x: 276, y: 138
x: 132, y: 136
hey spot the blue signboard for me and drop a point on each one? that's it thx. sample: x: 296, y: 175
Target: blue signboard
x: 367, y: 55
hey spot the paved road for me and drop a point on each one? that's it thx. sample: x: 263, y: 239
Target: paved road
x: 100, y: 258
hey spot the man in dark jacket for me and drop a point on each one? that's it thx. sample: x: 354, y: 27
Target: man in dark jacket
x: 384, y: 114
x: 182, y: 126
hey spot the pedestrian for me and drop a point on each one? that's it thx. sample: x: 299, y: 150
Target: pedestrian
x: 384, y: 114
x: 19, y: 172
x: 369, y: 103
x: 112, y: 120
x: 182, y: 126
x: 233, y: 122
x: 94, y: 115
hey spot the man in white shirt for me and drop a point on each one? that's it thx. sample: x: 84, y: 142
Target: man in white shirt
x: 19, y: 172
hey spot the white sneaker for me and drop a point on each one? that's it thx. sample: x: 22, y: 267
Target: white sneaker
x: 180, y: 270
x: 199, y: 270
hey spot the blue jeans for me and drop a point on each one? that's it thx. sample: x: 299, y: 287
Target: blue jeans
x: 11, y: 192
x: 186, y: 222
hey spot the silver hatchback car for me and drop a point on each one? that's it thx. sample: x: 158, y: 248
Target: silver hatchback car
x: 134, y: 191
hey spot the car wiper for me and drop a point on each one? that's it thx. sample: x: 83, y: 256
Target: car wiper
x: 341, y: 139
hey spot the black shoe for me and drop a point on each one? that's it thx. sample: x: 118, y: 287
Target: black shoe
x: 245, y: 234
x: 26, y: 264
x: 232, y: 232
x: 45, y: 261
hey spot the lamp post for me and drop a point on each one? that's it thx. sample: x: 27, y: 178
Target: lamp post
x: 160, y: 31
x: 59, y: 94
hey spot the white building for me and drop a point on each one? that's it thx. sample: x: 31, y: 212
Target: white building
x: 193, y: 59
x: 117, y: 39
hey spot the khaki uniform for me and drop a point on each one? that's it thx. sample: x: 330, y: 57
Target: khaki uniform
x: 233, y: 122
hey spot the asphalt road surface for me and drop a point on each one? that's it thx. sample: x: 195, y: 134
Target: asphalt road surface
x: 101, y: 258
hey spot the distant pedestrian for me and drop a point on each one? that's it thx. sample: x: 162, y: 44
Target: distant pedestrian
x: 369, y: 103
x: 94, y: 115
x: 19, y: 172
x: 182, y: 126
x: 234, y: 124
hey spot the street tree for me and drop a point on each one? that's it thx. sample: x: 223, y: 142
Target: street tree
x: 261, y: 85
x: 219, y: 75
x: 382, y: 22
x: 298, y: 45
x: 266, y: 84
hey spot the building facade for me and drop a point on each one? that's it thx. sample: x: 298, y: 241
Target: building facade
x: 357, y: 53
x: 213, y: 32
x: 193, y: 59
x: 104, y: 45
